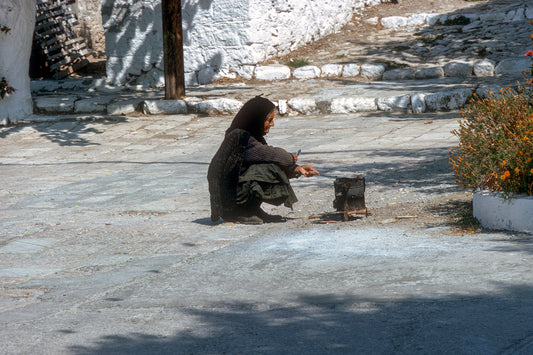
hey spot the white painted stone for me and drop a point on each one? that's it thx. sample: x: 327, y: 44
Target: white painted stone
x: 282, y: 107
x: 92, y: 105
x: 15, y: 50
x: 272, y: 72
x: 329, y: 70
x: 304, y: 105
x: 245, y: 71
x: 432, y: 19
x: 429, y: 73
x: 494, y: 211
x: 513, y: 66
x: 417, y: 20
x: 484, y: 67
x: 458, y: 69
x: 373, y: 71
x: 449, y: 100
x: 418, y: 103
x: 394, y: 22
x: 399, y: 74
x: 218, y: 107
x: 306, y: 72
x: 351, y: 69
x: 54, y: 104
x: 123, y: 107
x: 165, y: 107
x: 401, y: 102
x: 353, y: 104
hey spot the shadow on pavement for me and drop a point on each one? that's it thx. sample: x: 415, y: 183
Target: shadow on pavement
x: 64, y: 133
x: 330, y: 323
x: 424, y: 169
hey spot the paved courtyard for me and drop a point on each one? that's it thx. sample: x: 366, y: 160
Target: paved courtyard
x: 106, y: 245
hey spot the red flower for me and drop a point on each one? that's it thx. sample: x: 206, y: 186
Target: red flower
x: 529, y: 54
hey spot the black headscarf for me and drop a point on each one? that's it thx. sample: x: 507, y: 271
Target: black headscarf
x: 252, y: 117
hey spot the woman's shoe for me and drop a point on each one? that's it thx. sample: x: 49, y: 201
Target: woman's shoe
x: 244, y: 219
x: 248, y: 220
x: 269, y: 218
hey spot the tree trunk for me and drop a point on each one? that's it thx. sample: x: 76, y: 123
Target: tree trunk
x: 173, y: 49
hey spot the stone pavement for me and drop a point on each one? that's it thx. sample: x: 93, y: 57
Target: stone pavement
x: 106, y: 245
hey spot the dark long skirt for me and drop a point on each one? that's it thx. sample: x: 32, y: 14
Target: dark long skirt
x: 265, y: 183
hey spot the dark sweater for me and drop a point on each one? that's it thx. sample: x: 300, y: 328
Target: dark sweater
x: 257, y: 152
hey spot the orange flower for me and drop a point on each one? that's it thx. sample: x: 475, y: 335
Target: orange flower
x: 507, y: 173
x: 502, y: 177
x: 531, y: 171
x: 516, y: 170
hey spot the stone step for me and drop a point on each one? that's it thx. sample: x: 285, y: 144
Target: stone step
x: 416, y: 96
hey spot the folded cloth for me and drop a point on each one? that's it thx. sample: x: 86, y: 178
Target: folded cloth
x: 265, y: 183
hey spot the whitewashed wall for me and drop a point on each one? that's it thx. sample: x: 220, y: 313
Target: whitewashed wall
x: 221, y: 37
x: 15, y: 50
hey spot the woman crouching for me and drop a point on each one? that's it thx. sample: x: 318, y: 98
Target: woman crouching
x: 246, y: 171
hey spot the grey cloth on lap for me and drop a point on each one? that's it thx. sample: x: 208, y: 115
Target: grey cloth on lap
x: 266, y: 183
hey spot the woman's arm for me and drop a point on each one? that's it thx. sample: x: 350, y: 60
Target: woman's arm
x: 257, y: 152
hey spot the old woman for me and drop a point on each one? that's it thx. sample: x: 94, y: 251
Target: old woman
x: 246, y: 171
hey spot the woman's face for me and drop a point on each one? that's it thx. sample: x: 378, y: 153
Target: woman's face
x: 269, y: 122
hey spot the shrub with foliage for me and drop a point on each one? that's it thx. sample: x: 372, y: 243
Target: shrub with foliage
x: 496, y: 142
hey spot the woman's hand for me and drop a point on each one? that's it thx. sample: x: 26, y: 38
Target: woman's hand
x: 295, y: 156
x: 306, y: 170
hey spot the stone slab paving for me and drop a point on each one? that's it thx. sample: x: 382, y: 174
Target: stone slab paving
x: 106, y: 245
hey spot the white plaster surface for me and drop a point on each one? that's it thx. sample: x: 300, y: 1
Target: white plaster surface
x: 15, y: 50
x: 496, y: 212
x: 224, y: 35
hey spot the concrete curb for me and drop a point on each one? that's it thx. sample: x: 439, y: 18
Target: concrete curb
x: 372, y: 96
x: 495, y: 211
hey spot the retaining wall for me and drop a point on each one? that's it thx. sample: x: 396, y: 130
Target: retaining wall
x: 222, y: 38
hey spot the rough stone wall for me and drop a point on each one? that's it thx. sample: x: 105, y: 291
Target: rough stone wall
x: 15, y: 51
x: 89, y: 13
x: 222, y: 38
